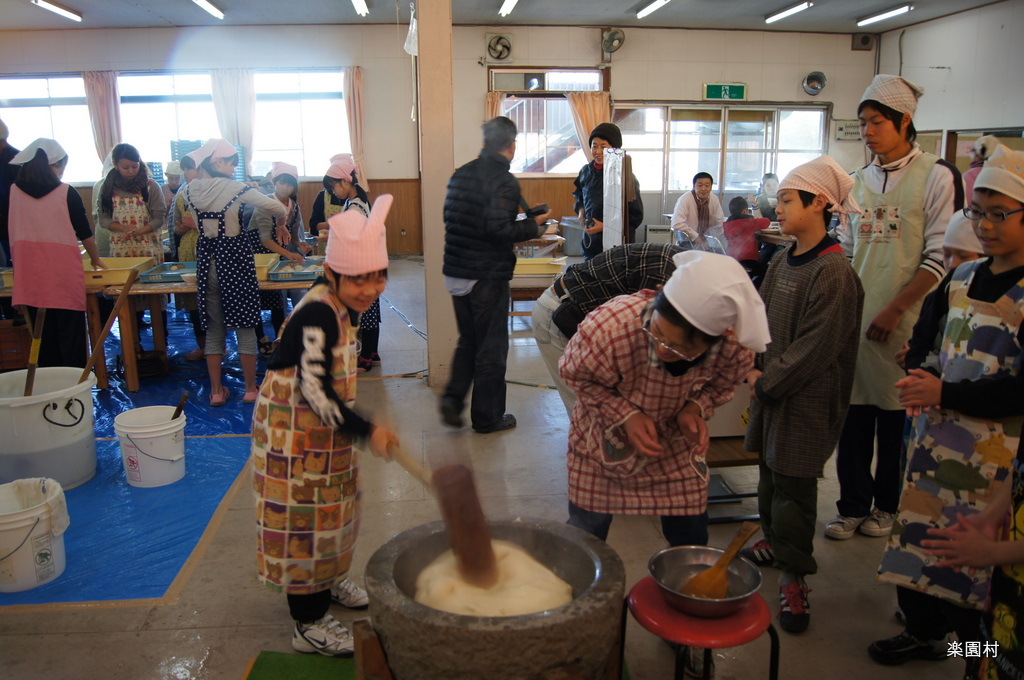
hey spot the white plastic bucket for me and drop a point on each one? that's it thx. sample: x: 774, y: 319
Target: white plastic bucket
x: 31, y: 533
x: 51, y: 433
x: 152, y: 445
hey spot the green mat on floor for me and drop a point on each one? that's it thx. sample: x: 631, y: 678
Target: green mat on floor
x: 280, y: 666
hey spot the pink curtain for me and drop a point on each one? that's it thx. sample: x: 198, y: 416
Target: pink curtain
x: 104, y: 104
x: 492, y: 105
x: 353, y: 85
x: 234, y: 100
x: 589, y: 109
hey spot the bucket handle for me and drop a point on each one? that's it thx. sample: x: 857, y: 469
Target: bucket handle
x: 33, y: 528
x: 67, y: 407
x: 149, y: 455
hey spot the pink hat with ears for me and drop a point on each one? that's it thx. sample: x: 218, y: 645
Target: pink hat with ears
x: 357, y: 245
x: 342, y: 167
x: 277, y: 169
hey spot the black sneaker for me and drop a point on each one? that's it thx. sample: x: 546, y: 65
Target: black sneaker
x: 451, y: 412
x: 507, y: 422
x: 905, y: 647
x: 760, y: 553
x: 794, y: 614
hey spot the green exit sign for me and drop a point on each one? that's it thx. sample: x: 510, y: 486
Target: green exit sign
x: 725, y: 91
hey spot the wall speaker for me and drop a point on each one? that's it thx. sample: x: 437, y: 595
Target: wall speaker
x: 862, y: 42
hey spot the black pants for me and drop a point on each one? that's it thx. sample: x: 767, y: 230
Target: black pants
x: 370, y: 339
x: 309, y: 608
x: 932, y: 618
x: 482, y: 352
x: 857, y: 487
x: 64, y: 341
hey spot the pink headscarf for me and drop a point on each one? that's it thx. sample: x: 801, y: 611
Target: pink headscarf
x: 342, y: 167
x: 277, y: 168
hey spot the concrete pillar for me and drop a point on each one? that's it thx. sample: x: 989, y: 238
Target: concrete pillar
x: 437, y: 163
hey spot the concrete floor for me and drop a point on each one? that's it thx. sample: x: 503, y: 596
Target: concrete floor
x: 223, y: 617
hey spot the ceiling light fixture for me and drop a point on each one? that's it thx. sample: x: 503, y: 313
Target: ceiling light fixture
x: 361, y: 8
x: 216, y: 13
x: 507, y: 7
x: 782, y: 14
x: 653, y: 7
x: 57, y: 9
x: 903, y: 9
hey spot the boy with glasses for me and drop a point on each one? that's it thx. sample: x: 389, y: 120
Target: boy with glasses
x: 968, y: 414
x: 800, y: 387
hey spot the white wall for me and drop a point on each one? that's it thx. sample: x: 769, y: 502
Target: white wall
x: 672, y: 65
x: 390, y: 136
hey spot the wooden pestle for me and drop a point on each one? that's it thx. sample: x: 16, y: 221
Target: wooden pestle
x: 467, y: 527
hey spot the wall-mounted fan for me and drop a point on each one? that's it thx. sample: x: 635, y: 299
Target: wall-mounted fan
x: 611, y: 40
x: 499, y: 47
x: 814, y: 83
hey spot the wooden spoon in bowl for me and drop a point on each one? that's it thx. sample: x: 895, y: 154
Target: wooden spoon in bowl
x: 713, y: 582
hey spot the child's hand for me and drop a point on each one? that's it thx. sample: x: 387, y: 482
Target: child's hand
x: 381, y: 439
x: 693, y: 425
x: 305, y: 248
x: 920, y: 389
x: 643, y: 434
x: 881, y: 328
x: 965, y: 544
x: 293, y: 257
x: 901, y: 356
x: 752, y: 378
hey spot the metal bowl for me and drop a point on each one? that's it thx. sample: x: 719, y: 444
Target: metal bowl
x: 672, y: 568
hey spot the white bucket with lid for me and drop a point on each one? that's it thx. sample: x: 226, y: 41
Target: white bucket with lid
x: 33, y: 517
x: 152, y: 445
x: 50, y: 433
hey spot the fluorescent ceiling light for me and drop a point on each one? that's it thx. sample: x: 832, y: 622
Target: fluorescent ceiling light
x: 217, y: 14
x: 772, y: 18
x: 361, y: 8
x: 653, y: 7
x: 507, y: 7
x: 57, y: 9
x: 885, y: 15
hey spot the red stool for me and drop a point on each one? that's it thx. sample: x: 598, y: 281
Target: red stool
x: 650, y: 609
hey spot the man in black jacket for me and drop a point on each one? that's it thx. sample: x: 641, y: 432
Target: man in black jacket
x: 480, y: 213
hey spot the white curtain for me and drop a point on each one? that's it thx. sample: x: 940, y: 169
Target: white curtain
x: 492, y: 105
x: 234, y: 99
x: 353, y: 85
x: 589, y: 109
x: 104, y: 103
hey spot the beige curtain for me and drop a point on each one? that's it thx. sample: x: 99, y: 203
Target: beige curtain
x: 234, y: 100
x: 492, y: 105
x: 104, y: 104
x: 589, y: 109
x: 353, y: 85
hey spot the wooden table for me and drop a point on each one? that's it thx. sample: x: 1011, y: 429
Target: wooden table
x: 153, y: 297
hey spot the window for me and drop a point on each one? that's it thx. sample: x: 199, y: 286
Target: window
x: 54, y: 108
x: 547, y: 140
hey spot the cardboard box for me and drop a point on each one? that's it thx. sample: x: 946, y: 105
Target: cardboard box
x: 539, y: 265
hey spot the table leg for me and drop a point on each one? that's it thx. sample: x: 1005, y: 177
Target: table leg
x: 773, y: 667
x: 126, y: 325
x: 159, y: 331
x: 95, y: 323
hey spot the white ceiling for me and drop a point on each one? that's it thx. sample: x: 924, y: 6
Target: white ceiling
x: 826, y: 16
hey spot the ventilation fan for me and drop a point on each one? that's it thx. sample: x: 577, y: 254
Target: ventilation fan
x: 814, y: 82
x: 499, y: 47
x: 611, y: 40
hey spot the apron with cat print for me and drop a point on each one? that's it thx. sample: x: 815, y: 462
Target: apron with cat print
x: 132, y: 212
x: 236, y: 270
x: 306, y: 475
x: 954, y: 460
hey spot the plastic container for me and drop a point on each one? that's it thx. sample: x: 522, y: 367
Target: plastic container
x: 308, y: 270
x: 526, y: 266
x: 116, y: 271
x: 573, y: 233
x: 264, y: 261
x: 168, y: 272
x: 51, y: 433
x: 152, y: 445
x: 33, y: 517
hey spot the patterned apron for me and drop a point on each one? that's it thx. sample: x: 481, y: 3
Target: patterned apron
x: 133, y: 212
x: 306, y: 476
x: 954, y: 458
x: 236, y: 270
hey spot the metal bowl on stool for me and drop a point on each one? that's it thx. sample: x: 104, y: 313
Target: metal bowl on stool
x: 672, y: 568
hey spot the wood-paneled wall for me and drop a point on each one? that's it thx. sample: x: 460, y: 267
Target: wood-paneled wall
x: 405, y: 226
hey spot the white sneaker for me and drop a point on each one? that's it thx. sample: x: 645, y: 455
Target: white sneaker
x: 878, y: 524
x: 348, y: 594
x: 842, y: 527
x: 326, y: 636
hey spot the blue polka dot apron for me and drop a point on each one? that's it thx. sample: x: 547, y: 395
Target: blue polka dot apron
x: 236, y: 269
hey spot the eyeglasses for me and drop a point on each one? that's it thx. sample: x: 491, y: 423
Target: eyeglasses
x: 669, y: 348
x: 995, y: 217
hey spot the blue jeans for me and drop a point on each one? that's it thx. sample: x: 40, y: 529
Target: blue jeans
x: 678, y: 529
x: 482, y: 352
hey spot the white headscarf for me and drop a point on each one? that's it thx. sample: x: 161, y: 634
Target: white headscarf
x: 1003, y: 172
x: 896, y: 92
x: 54, y: 151
x: 960, y: 234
